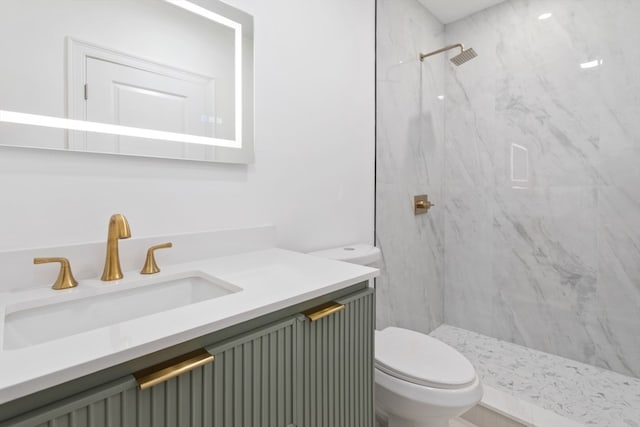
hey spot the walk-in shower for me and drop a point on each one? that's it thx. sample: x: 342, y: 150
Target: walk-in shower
x: 465, y: 55
x: 529, y: 263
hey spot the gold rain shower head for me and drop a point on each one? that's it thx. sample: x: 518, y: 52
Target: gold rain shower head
x: 465, y: 55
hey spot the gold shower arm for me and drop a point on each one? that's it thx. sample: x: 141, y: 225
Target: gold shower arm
x: 444, y: 49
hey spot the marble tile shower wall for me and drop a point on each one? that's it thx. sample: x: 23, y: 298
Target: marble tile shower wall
x: 410, y: 156
x: 542, y: 179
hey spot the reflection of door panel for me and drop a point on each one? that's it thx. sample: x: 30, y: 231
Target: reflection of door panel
x: 129, y: 96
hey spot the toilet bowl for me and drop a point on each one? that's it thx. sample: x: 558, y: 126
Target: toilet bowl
x: 419, y: 380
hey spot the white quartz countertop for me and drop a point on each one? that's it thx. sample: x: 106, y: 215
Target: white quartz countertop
x: 270, y: 280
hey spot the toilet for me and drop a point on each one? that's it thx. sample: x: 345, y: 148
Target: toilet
x: 420, y: 381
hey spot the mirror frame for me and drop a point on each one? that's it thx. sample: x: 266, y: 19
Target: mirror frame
x: 239, y: 150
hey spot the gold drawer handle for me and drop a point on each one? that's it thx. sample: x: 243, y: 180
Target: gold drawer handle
x: 172, y: 368
x: 325, y: 310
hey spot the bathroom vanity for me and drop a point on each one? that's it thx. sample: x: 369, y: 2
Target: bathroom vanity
x: 292, y: 345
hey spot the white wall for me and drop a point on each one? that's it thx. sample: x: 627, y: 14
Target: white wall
x: 313, y: 175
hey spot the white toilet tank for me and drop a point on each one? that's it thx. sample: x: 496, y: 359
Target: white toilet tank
x: 358, y: 253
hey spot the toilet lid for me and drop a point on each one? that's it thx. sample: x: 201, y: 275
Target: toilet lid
x: 421, y: 359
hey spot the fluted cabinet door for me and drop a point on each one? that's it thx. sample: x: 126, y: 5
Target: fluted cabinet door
x: 254, y: 382
x: 250, y: 383
x: 337, y: 365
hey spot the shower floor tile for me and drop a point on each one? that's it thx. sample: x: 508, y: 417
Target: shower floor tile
x: 584, y: 393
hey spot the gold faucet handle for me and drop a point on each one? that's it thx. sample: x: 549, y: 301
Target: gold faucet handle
x: 150, y: 266
x: 421, y: 204
x: 424, y: 205
x: 65, y: 278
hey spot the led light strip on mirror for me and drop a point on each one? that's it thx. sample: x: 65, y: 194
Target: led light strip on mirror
x: 81, y: 125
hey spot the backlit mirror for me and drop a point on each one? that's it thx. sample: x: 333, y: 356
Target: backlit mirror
x: 155, y: 78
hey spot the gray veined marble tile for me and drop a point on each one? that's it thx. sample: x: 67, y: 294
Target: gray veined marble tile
x: 541, y: 173
x: 545, y: 266
x: 469, y: 291
x: 410, y: 157
x: 615, y: 309
x: 550, y: 112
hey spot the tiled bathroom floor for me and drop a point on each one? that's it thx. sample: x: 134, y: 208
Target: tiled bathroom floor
x: 581, y: 392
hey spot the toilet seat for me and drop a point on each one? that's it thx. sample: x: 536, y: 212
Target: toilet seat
x: 422, y: 360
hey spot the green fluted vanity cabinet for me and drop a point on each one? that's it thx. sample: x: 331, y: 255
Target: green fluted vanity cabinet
x: 337, y: 365
x: 249, y: 383
x: 290, y: 373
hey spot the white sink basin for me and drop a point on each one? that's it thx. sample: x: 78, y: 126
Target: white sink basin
x: 107, y: 305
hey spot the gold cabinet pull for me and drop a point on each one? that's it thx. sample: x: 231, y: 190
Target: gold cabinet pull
x: 323, y: 311
x: 65, y: 278
x: 172, y: 368
x: 150, y: 266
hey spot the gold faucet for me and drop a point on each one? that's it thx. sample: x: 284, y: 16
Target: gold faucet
x: 118, y: 229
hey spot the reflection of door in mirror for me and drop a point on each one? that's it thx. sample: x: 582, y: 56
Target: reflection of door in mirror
x: 127, y: 96
x: 124, y: 90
